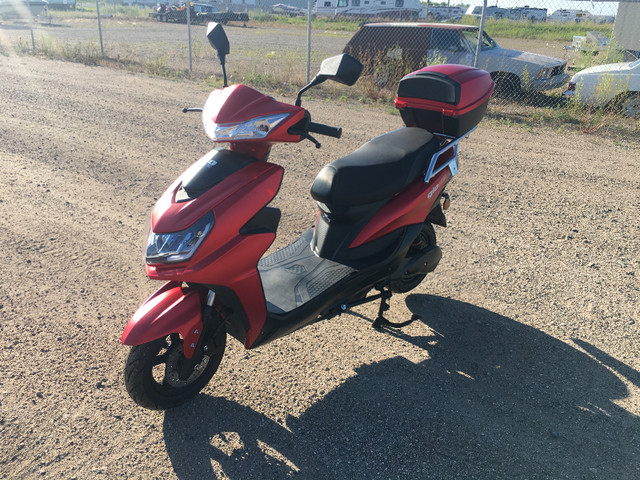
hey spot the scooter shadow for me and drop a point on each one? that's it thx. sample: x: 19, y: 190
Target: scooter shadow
x: 491, y: 399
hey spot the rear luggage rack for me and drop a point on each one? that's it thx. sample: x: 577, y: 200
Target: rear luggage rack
x: 452, y: 163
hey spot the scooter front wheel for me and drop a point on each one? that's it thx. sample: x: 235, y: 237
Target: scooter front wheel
x: 155, y: 374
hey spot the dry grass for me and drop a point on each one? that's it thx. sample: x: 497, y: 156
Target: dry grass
x: 279, y: 71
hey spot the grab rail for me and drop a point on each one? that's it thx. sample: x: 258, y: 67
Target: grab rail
x: 452, y: 163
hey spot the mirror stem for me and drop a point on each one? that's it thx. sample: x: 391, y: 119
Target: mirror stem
x: 316, y: 80
x: 224, y: 76
x: 221, y: 57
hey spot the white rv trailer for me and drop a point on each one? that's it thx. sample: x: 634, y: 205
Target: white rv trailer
x: 397, y: 9
x: 439, y: 12
x: 21, y: 8
x: 565, y: 16
x: 528, y: 13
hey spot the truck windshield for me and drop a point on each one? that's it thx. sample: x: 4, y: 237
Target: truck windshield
x: 472, y: 37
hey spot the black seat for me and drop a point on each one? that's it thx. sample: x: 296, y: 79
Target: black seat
x: 376, y: 171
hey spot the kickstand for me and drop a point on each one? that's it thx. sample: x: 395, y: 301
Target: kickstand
x: 380, y: 321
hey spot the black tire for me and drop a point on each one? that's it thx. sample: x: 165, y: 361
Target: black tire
x: 151, y: 371
x: 629, y: 105
x: 427, y: 238
x: 507, y: 86
x: 382, y: 75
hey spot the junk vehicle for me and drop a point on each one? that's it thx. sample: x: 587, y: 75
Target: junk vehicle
x: 200, y: 14
x: 390, y: 50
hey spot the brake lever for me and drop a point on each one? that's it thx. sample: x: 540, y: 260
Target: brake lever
x: 304, y: 134
x: 187, y: 109
x: 313, y: 140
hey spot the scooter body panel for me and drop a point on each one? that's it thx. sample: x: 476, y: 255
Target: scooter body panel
x: 171, y: 309
x: 409, y: 207
x: 229, y: 254
x: 254, y: 186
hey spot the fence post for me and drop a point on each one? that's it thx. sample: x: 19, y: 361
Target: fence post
x: 99, y: 26
x: 480, y: 31
x: 189, y: 33
x: 309, y: 41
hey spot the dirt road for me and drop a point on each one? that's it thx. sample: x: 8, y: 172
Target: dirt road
x: 525, y: 366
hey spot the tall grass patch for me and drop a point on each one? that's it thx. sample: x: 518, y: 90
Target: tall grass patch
x: 550, y: 31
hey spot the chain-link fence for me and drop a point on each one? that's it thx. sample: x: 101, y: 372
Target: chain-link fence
x: 531, y: 51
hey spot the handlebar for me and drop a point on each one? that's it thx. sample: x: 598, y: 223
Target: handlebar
x: 326, y: 130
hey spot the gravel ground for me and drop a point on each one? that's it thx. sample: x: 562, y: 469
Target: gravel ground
x: 525, y: 366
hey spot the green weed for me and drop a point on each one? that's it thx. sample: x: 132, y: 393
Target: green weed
x: 550, y: 31
x: 325, y: 23
x: 592, y: 56
x: 4, y: 50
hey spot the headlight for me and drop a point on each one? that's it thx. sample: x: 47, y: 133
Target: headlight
x: 545, y: 72
x: 258, y: 127
x: 178, y: 246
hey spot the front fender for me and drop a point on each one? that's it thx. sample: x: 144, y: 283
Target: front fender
x: 172, y: 309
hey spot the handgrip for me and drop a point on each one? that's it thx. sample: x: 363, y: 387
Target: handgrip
x: 326, y: 130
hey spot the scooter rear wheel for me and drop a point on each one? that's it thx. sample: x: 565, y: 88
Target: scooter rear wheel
x: 427, y: 238
x: 152, y: 371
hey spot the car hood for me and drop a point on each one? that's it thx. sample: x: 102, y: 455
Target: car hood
x: 532, y: 58
x: 608, y: 68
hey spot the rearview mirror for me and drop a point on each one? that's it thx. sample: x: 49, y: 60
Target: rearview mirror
x: 218, y: 39
x: 342, y: 68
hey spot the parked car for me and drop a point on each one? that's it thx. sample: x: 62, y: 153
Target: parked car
x: 615, y: 86
x: 393, y: 49
x: 284, y: 9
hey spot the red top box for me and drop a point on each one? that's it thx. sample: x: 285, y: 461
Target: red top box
x: 449, y: 100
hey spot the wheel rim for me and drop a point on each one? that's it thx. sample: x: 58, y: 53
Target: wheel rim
x: 165, y: 366
x: 382, y: 75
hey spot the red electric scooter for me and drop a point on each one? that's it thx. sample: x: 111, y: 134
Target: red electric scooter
x: 211, y: 227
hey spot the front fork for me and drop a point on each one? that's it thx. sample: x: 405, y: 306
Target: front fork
x: 204, y: 344
x: 176, y: 309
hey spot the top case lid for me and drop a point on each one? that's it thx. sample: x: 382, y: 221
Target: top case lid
x: 456, y: 85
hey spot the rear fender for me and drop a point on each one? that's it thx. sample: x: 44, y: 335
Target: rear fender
x: 172, y: 309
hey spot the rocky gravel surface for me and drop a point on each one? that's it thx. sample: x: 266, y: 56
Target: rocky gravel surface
x: 525, y: 365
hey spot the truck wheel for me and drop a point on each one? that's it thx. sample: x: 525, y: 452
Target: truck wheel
x: 630, y: 105
x: 507, y: 85
x: 383, y: 75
